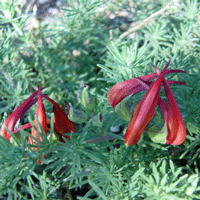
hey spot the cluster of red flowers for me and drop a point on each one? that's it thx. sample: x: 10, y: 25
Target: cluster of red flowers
x: 145, y: 111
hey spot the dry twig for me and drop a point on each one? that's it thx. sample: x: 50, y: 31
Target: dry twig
x: 146, y: 20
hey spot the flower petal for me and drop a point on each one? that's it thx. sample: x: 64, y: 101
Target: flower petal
x: 23, y: 127
x: 175, y: 124
x: 121, y: 90
x: 41, y: 115
x: 62, y: 124
x: 12, y: 119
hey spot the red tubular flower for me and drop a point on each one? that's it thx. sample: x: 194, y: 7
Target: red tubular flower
x: 61, y: 122
x: 144, y: 112
x: 145, y: 109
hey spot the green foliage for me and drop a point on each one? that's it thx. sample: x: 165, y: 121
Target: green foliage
x: 169, y: 183
x: 83, y: 47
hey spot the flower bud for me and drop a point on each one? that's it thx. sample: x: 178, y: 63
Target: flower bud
x: 158, y: 133
x: 87, y: 99
x: 76, y: 115
x: 53, y: 138
x: 123, y: 109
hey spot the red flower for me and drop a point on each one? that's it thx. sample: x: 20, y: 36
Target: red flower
x: 61, y: 122
x: 145, y: 110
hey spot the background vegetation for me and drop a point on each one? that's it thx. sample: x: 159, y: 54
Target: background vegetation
x: 85, y: 45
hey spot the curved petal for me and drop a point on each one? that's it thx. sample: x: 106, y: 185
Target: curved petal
x: 23, y: 127
x: 62, y: 124
x: 12, y: 119
x: 175, y: 124
x: 121, y: 90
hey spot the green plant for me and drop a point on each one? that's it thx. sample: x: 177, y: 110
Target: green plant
x: 85, y: 47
